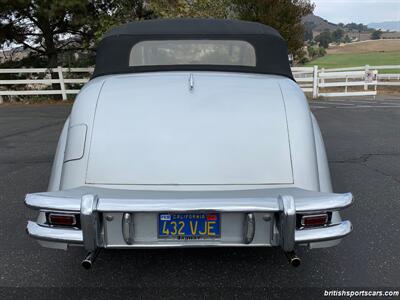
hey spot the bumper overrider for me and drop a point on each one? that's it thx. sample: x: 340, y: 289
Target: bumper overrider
x: 112, y: 218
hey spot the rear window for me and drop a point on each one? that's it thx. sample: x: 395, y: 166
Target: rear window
x: 193, y: 52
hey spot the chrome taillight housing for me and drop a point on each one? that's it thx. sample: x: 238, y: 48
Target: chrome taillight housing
x: 62, y: 219
x: 313, y: 220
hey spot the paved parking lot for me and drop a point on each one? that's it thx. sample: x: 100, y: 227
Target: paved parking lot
x: 340, y: 103
x: 363, y: 145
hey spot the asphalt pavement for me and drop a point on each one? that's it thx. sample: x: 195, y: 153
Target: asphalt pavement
x: 362, y: 138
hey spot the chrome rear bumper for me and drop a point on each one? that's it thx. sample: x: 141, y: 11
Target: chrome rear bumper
x: 73, y: 236
x: 272, y: 213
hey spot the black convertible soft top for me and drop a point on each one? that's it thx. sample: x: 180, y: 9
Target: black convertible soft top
x: 270, y: 48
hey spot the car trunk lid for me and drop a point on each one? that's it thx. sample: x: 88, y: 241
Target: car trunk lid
x: 182, y: 128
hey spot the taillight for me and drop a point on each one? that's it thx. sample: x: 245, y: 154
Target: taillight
x: 314, y: 220
x: 61, y: 219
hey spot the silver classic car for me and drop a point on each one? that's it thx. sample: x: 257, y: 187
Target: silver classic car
x: 190, y: 133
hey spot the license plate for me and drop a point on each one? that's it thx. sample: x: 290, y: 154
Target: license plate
x: 189, y: 226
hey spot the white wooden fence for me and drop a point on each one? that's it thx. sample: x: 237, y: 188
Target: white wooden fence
x: 357, y: 81
x: 363, y: 81
x: 41, y: 86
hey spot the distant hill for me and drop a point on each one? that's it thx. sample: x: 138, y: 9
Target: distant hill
x: 391, y: 26
x: 357, y: 32
x: 318, y: 24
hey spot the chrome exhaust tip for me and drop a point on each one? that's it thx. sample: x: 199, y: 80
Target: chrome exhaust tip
x: 89, y: 259
x: 293, y: 259
x: 87, y: 264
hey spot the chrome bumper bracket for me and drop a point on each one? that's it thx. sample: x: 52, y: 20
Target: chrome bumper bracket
x: 287, y: 222
x: 90, y: 223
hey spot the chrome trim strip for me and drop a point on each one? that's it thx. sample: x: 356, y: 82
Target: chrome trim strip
x: 287, y: 222
x: 249, y: 228
x: 191, y: 82
x: 332, y: 232
x: 127, y: 228
x: 70, y: 236
x: 182, y: 205
x: 183, y: 245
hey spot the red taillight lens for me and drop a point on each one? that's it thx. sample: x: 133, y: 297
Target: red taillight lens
x: 61, y: 219
x: 314, y: 220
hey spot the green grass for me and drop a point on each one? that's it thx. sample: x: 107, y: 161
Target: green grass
x: 358, y: 59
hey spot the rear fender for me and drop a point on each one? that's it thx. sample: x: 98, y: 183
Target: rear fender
x: 324, y: 178
x: 56, y: 170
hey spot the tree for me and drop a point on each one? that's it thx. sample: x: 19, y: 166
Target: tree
x: 191, y: 8
x: 347, y: 39
x: 312, y: 52
x: 357, y: 27
x: 376, y: 35
x: 301, y: 57
x: 337, y: 35
x: 308, y: 31
x: 321, y: 51
x: 116, y: 12
x: 47, y: 28
x: 283, y: 15
x: 324, y: 38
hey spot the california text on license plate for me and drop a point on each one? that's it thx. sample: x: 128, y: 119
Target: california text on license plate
x: 189, y: 226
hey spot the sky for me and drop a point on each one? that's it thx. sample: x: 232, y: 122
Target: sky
x: 358, y: 11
